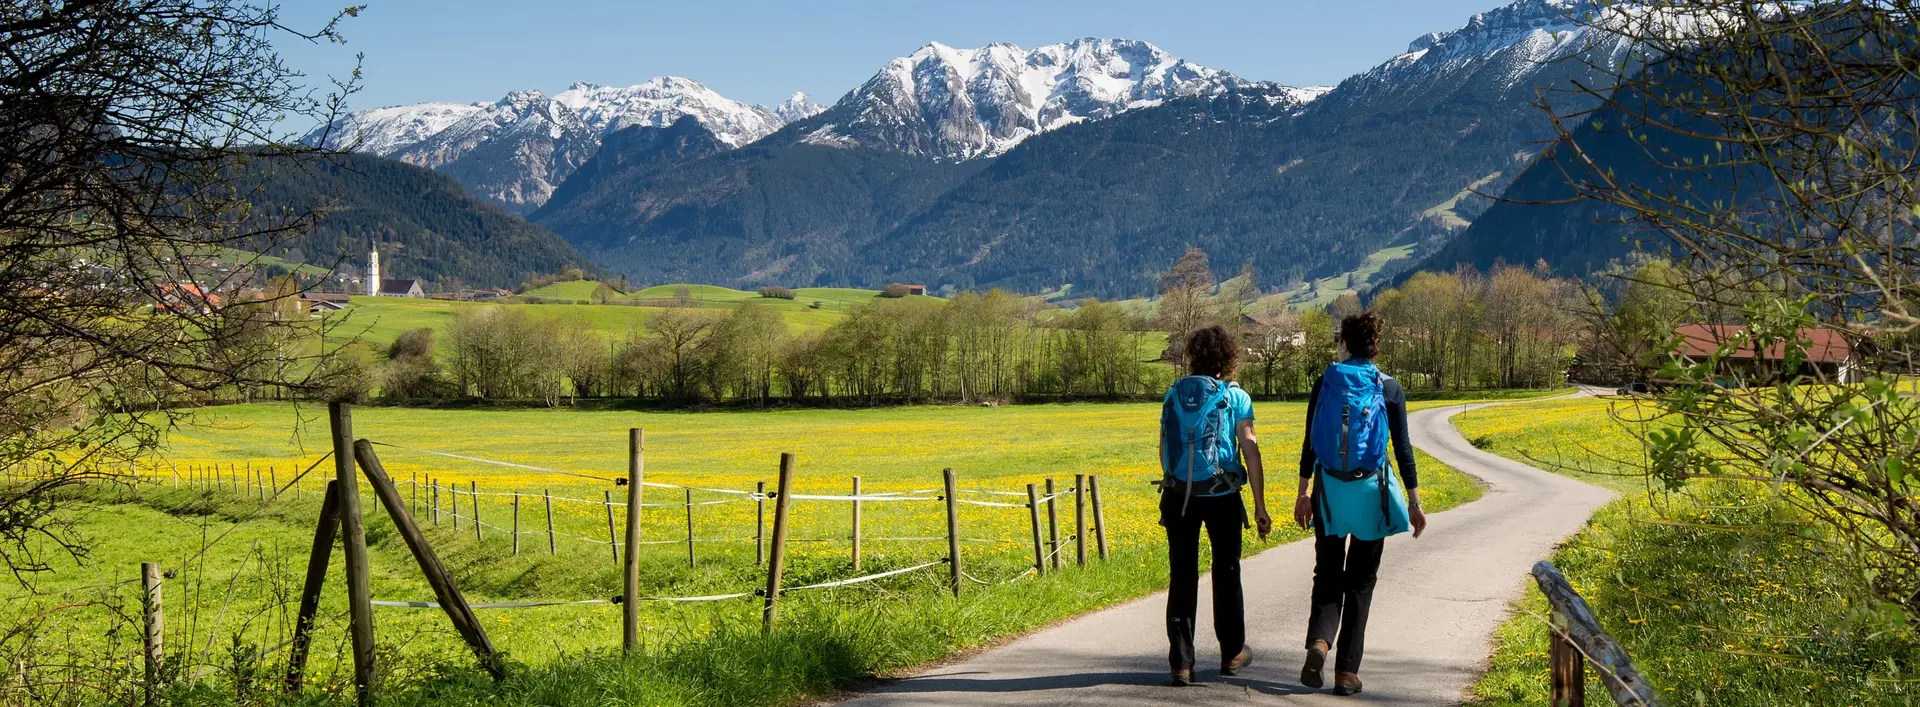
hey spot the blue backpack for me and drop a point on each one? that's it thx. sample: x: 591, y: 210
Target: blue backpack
x: 1196, y: 434
x: 1356, y: 495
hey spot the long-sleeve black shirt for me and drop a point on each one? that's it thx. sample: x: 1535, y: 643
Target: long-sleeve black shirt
x: 1396, y: 398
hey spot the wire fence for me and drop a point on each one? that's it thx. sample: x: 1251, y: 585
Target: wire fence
x: 429, y: 511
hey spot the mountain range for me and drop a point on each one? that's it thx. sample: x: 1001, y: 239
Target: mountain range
x: 1093, y: 162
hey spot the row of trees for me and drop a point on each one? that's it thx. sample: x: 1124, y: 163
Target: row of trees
x: 972, y: 348
x: 1511, y: 328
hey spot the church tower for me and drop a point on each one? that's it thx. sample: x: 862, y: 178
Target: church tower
x: 373, y: 269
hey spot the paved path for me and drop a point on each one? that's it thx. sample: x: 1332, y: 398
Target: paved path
x: 1439, y: 599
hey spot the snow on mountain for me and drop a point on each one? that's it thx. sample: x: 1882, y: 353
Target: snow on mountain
x: 384, y: 131
x: 798, y: 107
x: 661, y: 101
x: 515, y: 151
x: 963, y: 103
x: 1518, y: 41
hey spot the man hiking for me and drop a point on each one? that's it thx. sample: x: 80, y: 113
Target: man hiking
x: 1207, y: 453
x: 1354, y: 503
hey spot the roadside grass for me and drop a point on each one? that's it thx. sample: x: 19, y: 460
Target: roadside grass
x: 1752, y: 615
x: 697, y: 654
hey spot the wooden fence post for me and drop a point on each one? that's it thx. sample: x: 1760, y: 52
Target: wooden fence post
x: 413, y: 488
x: 516, y: 523
x: 359, y: 590
x: 473, y: 494
x: 1577, y: 639
x: 1567, y: 671
x: 553, y: 545
x: 1099, y: 518
x: 1053, y: 526
x: 760, y: 523
x: 691, y: 562
x: 317, y: 558
x: 433, y: 499
x: 273, y: 480
x: 453, y: 496
x: 953, y: 532
x: 769, y: 612
x: 1080, y: 519
x: 856, y: 525
x: 1033, y: 514
x: 630, y: 605
x: 155, y: 650
x: 445, y: 591
x: 613, y: 539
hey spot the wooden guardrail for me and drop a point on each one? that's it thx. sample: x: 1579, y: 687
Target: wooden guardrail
x: 1578, y: 641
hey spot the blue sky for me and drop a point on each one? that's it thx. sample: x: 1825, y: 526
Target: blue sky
x: 761, y: 51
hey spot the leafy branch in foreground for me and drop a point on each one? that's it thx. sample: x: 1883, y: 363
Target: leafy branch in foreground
x: 1787, y: 140
x: 123, y: 127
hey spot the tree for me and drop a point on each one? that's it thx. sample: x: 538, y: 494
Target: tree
x: 411, y: 370
x: 677, y: 338
x: 122, y: 127
x: 1784, y: 159
x: 1185, y: 298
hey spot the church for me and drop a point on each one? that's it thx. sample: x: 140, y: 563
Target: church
x: 377, y: 287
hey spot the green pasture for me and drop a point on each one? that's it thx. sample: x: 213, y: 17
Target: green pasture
x: 241, y: 587
x: 1721, y: 594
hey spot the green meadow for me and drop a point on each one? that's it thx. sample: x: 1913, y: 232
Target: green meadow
x: 1721, y: 594
x: 229, y: 606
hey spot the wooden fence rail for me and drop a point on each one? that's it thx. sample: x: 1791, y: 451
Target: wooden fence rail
x: 1578, y: 641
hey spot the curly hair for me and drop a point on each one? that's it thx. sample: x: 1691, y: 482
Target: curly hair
x: 1211, y: 351
x: 1361, y: 334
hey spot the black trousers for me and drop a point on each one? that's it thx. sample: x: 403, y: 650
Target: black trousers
x: 1223, y: 517
x: 1344, y: 572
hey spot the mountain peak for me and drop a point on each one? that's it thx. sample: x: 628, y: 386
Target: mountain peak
x: 953, y: 103
x: 798, y: 107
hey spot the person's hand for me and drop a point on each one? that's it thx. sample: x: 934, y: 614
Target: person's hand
x: 1263, y: 522
x: 1303, y: 511
x: 1419, y: 519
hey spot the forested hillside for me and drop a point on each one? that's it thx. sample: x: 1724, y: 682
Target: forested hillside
x: 428, y: 225
x: 1299, y: 185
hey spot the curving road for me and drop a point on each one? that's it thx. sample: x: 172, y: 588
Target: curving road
x: 1434, y: 612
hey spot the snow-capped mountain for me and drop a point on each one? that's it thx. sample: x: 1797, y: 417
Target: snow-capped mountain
x: 661, y: 101
x: 1509, y: 48
x: 952, y: 103
x: 798, y: 107
x: 384, y: 131
x: 517, y: 150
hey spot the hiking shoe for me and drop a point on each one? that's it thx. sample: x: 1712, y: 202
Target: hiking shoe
x: 1231, y: 666
x: 1310, y: 674
x: 1182, y: 677
x: 1346, y: 684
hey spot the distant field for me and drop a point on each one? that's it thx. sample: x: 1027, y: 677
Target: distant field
x: 379, y: 320
x: 900, y: 621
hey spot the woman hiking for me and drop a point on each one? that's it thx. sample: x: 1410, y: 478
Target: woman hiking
x: 1354, y: 503
x: 1207, y: 453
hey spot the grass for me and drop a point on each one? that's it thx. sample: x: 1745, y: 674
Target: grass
x: 1331, y: 288
x: 377, y: 321
x: 698, y: 654
x: 1444, y: 213
x: 1711, y: 616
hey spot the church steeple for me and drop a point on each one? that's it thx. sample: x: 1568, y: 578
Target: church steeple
x: 373, y: 268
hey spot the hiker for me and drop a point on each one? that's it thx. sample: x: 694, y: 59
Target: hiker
x: 1207, y: 453
x: 1354, y: 504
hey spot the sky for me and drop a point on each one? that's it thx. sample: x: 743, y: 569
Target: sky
x: 761, y: 51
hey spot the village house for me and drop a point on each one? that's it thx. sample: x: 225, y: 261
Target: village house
x: 1829, y: 355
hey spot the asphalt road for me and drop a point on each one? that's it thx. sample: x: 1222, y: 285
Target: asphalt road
x: 1439, y: 599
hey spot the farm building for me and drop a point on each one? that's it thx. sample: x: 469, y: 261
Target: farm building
x: 401, y: 288
x: 1829, y: 354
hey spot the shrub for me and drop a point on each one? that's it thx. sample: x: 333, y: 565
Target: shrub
x: 894, y: 291
x: 776, y: 292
